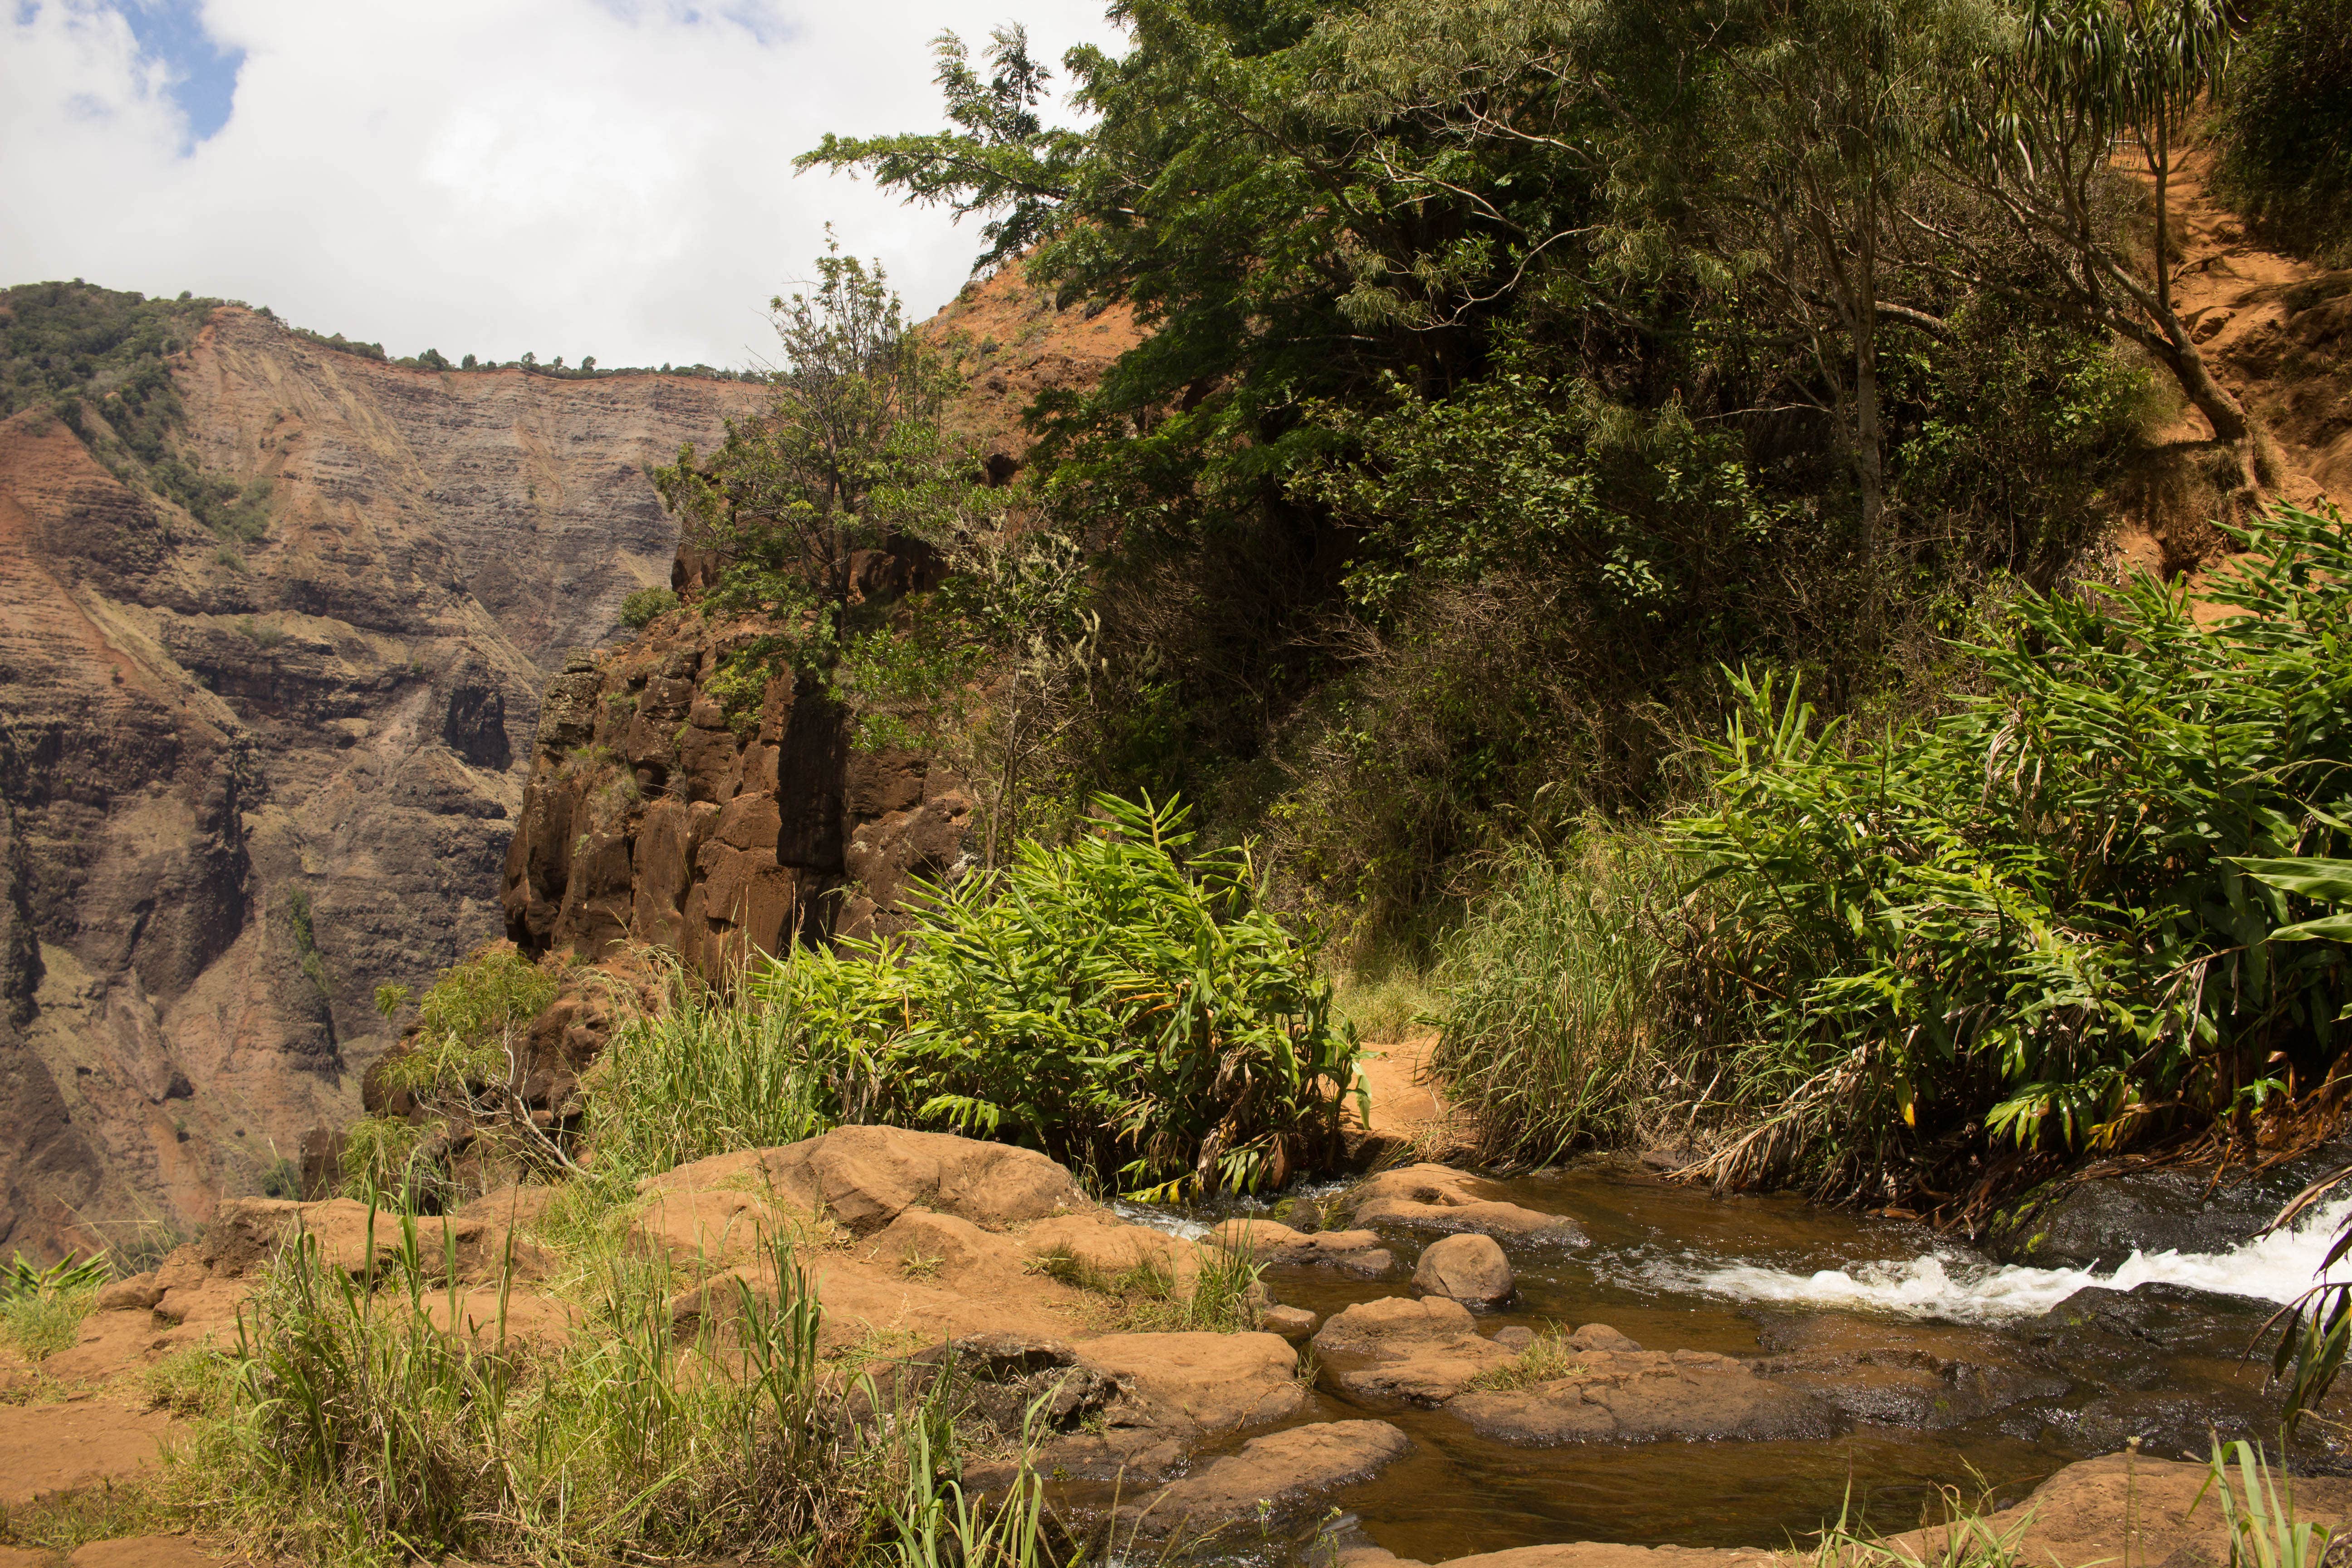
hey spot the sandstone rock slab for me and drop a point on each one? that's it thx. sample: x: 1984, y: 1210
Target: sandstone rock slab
x: 1636, y: 1396
x: 1216, y: 1382
x: 1438, y: 1197
x: 1353, y: 1252
x: 1421, y: 1351
x: 1271, y: 1478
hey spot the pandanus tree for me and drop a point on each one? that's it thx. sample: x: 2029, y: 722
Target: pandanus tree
x: 2038, y: 132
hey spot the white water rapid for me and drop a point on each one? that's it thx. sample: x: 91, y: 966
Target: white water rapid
x: 2279, y: 1267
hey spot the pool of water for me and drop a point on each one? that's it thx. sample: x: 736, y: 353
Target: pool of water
x: 1677, y: 1268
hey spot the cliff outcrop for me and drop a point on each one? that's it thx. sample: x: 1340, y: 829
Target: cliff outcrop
x: 656, y: 813
x: 244, y: 783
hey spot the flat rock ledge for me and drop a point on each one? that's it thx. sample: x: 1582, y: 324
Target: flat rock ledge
x: 1270, y: 1482
x: 1642, y: 1396
x: 1438, y: 1197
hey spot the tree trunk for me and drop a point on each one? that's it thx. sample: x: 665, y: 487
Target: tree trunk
x: 1869, y: 457
x: 2223, y: 411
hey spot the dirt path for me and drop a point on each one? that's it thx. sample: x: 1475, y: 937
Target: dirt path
x: 2276, y: 331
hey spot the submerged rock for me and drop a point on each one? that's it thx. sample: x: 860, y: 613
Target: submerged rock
x: 1469, y: 1269
x: 1438, y: 1197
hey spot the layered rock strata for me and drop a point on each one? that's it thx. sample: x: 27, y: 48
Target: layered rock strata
x: 245, y: 782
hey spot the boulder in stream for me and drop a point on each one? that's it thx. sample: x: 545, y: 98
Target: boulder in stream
x: 1468, y: 1268
x: 1639, y: 1396
x: 1418, y: 1352
x: 2074, y: 1223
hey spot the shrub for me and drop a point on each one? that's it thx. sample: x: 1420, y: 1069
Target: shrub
x: 2026, y: 920
x: 640, y: 608
x: 1138, y: 1015
x: 2287, y: 131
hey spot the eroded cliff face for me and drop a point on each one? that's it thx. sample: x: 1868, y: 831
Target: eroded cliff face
x: 655, y: 814
x: 242, y: 785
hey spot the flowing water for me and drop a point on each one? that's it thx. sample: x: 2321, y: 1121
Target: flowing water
x: 2042, y: 1373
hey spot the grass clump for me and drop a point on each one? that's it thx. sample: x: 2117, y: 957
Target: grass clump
x: 41, y: 1309
x: 1558, y: 989
x: 1550, y: 1357
x: 357, y: 1423
x: 706, y: 1075
x: 1222, y: 1297
x: 1389, y: 1002
x: 60, y: 1522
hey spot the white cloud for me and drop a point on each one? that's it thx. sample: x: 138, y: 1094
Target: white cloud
x: 564, y: 176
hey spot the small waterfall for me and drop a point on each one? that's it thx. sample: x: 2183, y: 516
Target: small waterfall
x: 1959, y: 1288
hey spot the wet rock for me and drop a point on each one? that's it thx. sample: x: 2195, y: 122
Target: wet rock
x: 1926, y: 1376
x: 1293, y: 1324
x: 1438, y: 1197
x: 1215, y: 1382
x: 1600, y: 1337
x: 2074, y: 1225
x: 1418, y: 1352
x: 1469, y: 1269
x: 1271, y: 1480
x: 1633, y: 1396
x: 1354, y: 1252
x: 2174, y: 1317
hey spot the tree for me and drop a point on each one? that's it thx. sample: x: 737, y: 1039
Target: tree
x: 1828, y: 100
x: 848, y: 457
x: 1002, y: 159
x: 2036, y: 139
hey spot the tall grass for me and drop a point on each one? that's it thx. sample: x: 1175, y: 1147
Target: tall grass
x: 41, y: 1309
x: 1558, y: 991
x: 708, y: 1074
x: 364, y: 1421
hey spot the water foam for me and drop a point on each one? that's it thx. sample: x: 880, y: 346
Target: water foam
x: 2278, y: 1266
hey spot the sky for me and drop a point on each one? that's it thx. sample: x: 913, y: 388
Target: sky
x: 573, y: 177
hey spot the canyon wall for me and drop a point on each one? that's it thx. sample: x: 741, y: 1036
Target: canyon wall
x: 243, y: 783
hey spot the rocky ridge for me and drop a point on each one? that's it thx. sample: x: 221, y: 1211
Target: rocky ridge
x: 244, y: 783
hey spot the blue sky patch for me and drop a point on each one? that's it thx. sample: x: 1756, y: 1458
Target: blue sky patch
x: 204, y: 75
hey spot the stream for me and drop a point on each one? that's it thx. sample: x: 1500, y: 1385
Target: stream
x: 2039, y: 1367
